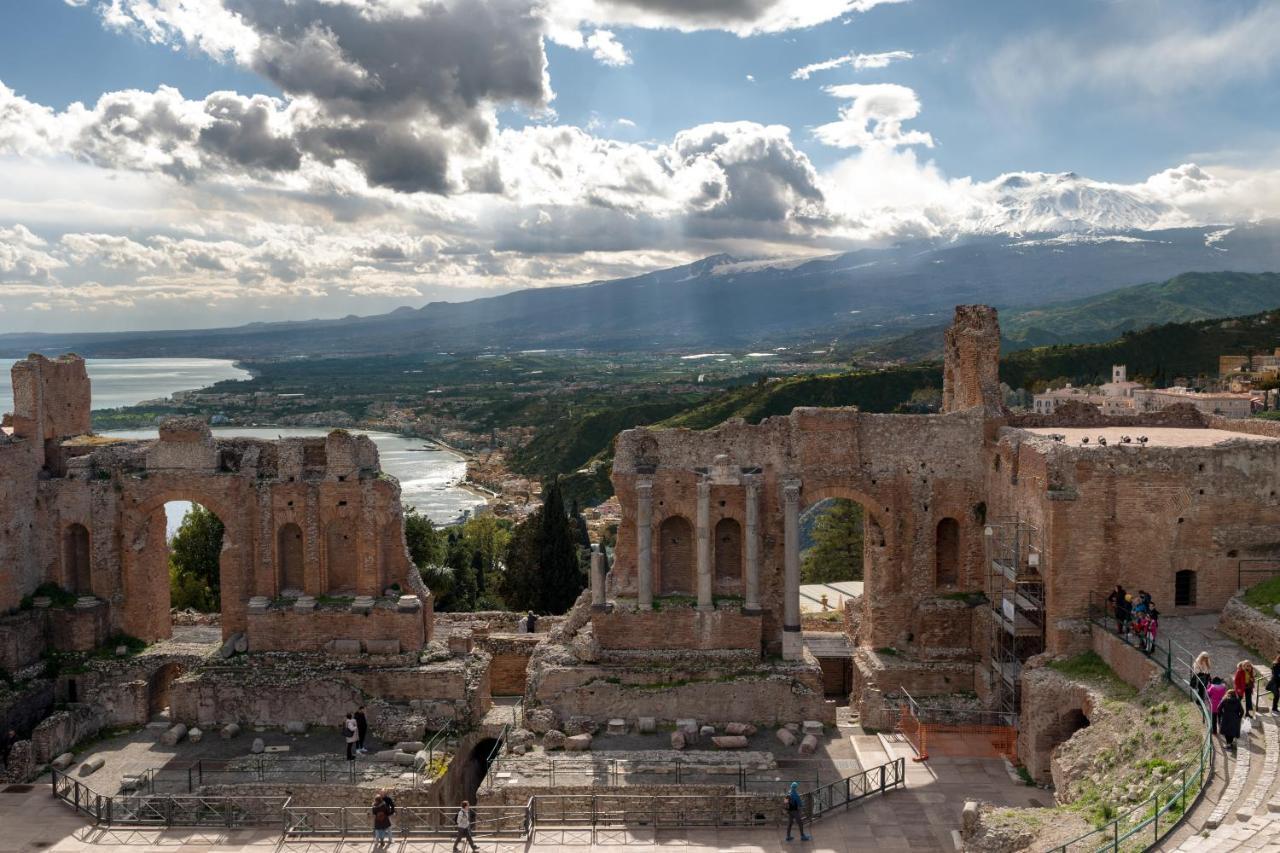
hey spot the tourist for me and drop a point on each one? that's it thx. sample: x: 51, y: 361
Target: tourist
x: 1200, y: 674
x: 350, y: 731
x: 533, y: 622
x: 1116, y: 600
x: 522, y: 627
x: 1140, y: 630
x: 1153, y: 626
x: 1216, y: 691
x: 1273, y: 685
x: 466, y: 825
x: 6, y: 746
x: 795, y: 812
x: 1244, y: 681
x: 386, y: 798
x: 1231, y: 712
x: 381, y: 822
x: 1126, y: 614
x: 362, y: 730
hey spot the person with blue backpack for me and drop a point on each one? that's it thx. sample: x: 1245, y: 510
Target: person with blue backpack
x: 795, y: 812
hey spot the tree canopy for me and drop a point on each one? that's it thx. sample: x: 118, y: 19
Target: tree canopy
x: 194, y: 554
x: 836, y: 554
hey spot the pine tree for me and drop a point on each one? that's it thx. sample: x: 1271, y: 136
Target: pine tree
x: 560, y: 563
x: 836, y: 554
x: 461, y: 597
x: 519, y: 584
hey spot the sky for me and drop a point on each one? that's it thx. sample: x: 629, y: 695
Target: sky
x: 196, y: 163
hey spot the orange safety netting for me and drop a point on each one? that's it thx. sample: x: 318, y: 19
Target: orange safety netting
x: 956, y: 740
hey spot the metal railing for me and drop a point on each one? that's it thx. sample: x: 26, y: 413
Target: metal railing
x: 596, y: 770
x: 1145, y: 824
x: 409, y: 821
x: 150, y: 809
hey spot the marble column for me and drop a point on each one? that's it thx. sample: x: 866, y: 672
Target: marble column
x: 597, y: 578
x: 751, y: 547
x: 791, y: 640
x: 644, y: 544
x: 704, y: 545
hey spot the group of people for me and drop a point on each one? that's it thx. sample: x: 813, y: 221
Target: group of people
x: 384, y: 807
x: 1135, y: 615
x: 355, y: 730
x: 1230, y: 705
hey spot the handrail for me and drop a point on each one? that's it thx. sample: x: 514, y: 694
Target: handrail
x: 1110, y: 836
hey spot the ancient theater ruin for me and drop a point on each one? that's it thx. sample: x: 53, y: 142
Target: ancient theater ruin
x: 988, y: 537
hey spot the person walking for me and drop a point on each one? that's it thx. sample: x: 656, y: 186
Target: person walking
x: 466, y: 823
x: 381, y: 822
x: 1243, y: 683
x: 1273, y: 685
x: 362, y: 729
x: 1232, y: 712
x: 1116, y: 600
x: 351, y: 733
x: 795, y: 812
x: 1153, y: 628
x: 1200, y: 674
x: 1217, y: 692
x: 533, y: 622
x: 1126, y: 614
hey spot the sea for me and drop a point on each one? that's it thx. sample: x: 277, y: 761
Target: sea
x: 429, y: 476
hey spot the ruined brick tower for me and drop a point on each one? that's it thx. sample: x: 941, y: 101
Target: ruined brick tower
x: 50, y: 400
x: 971, y: 366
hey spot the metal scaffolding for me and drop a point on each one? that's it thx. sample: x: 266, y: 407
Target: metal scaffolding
x: 1015, y: 590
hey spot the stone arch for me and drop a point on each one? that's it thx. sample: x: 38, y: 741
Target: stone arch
x: 946, y: 553
x: 391, y: 554
x: 340, y: 556
x: 291, y: 557
x: 874, y: 513
x: 77, y: 552
x: 1184, y: 588
x: 676, y: 573
x: 158, y: 686
x: 727, y: 550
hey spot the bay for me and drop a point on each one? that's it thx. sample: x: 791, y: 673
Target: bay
x: 120, y: 382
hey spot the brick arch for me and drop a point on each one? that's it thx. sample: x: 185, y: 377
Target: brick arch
x: 291, y: 562
x: 874, y: 512
x: 675, y: 563
x: 77, y: 559
x: 144, y: 554
x: 726, y: 547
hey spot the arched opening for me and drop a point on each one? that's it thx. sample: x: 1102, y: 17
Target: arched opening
x: 675, y: 547
x: 1184, y: 588
x: 76, y: 559
x: 340, y: 557
x: 158, y: 691
x: 947, y: 553
x: 477, y: 766
x: 833, y: 540
x: 289, y: 553
x: 727, y: 548
x: 1060, y: 731
x: 194, y: 536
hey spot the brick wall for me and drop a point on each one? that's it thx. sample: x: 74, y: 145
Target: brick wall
x: 285, y: 629
x: 676, y: 628
x: 1132, y: 666
x: 1253, y: 629
x: 22, y: 639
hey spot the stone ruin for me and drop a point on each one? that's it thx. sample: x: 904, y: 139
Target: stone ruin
x: 987, y: 536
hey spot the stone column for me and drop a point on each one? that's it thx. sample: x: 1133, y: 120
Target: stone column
x: 704, y: 545
x: 752, y: 545
x: 791, y: 641
x: 644, y: 545
x: 597, y: 578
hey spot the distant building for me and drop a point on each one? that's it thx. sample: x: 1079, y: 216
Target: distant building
x: 1049, y: 401
x: 1112, y: 398
x: 1222, y: 403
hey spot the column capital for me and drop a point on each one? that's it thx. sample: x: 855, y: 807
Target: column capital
x: 791, y: 491
x: 704, y: 487
x: 644, y: 489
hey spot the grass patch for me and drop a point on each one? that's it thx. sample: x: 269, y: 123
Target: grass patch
x: 888, y: 650
x: 1025, y: 776
x: 1264, y: 597
x: 1093, y: 669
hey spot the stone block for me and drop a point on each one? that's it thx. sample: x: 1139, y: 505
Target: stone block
x: 404, y: 759
x: 707, y: 731
x: 687, y: 726
x: 242, y: 645
x: 812, y: 727
x: 421, y: 759
x: 362, y: 604
x: 305, y: 603
x: 969, y: 818
x: 410, y: 746
x: 408, y: 604
x: 174, y: 735
x: 343, y: 648
x: 793, y: 727
x: 553, y: 739
x: 382, y: 647
x: 385, y: 756
x: 229, y: 731
x: 460, y: 644
x: 122, y: 651
x: 578, y: 743
x: 258, y: 746
x: 195, y: 735
x: 157, y: 729
x: 580, y: 725
x: 787, y: 737
x: 42, y: 601
x: 130, y: 782
x: 540, y: 720
x: 93, y: 765
x: 809, y: 745
x: 745, y: 729
x: 646, y: 725
x: 617, y: 726
x: 679, y: 739
x: 259, y: 604
x: 62, y: 762
x: 295, y: 727
x: 229, y: 647
x: 730, y: 742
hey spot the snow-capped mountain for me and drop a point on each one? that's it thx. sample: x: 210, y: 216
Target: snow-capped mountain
x: 1040, y: 202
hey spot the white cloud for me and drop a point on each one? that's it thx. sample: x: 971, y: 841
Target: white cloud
x: 1138, y: 50
x: 741, y: 17
x: 858, y: 61
x: 874, y: 117
x: 607, y: 49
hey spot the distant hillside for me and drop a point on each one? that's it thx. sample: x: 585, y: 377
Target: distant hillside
x: 722, y: 302
x: 1184, y: 298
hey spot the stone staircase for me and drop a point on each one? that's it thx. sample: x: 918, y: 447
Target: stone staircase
x: 1246, y: 815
